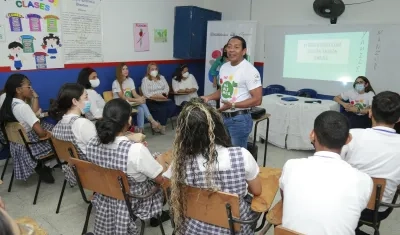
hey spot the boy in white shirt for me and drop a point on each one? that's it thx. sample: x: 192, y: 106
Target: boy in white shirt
x: 322, y: 194
x: 376, y: 151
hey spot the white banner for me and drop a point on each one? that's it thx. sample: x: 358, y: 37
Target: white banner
x: 218, y: 34
x: 82, y: 31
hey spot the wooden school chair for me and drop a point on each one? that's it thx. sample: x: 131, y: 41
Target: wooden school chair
x: 6, y: 148
x: 274, y: 217
x: 376, y: 201
x: 216, y: 208
x: 108, y: 182
x: 107, y: 95
x: 279, y: 230
x: 64, y: 151
x: 16, y: 134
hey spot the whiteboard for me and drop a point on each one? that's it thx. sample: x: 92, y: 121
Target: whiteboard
x: 383, y: 60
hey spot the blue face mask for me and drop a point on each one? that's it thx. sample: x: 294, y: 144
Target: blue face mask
x: 359, y: 87
x: 86, y: 108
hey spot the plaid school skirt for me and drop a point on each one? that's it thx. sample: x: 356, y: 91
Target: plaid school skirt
x: 112, y: 216
x: 24, y: 165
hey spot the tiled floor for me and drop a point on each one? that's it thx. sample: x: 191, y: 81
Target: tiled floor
x: 73, y: 210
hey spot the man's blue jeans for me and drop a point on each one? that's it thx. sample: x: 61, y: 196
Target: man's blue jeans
x: 239, y: 128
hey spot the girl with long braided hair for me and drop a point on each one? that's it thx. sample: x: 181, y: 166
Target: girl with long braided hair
x: 203, y: 157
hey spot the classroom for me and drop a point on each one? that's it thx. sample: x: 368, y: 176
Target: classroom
x: 199, y: 117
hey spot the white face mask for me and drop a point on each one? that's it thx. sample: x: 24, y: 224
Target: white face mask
x: 154, y: 73
x: 185, y: 75
x: 95, y: 83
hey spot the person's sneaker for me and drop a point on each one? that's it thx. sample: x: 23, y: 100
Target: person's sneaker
x: 45, y: 174
x: 154, y: 222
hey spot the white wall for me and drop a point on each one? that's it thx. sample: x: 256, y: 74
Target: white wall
x: 119, y: 17
x: 300, y: 12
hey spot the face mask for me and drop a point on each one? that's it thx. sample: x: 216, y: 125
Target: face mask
x: 86, y: 108
x: 185, y: 75
x: 154, y: 73
x: 360, y: 87
x: 95, y: 83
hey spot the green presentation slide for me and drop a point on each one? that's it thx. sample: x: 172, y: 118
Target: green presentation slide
x: 326, y: 56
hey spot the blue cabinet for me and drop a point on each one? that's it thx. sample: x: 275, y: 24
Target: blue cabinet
x: 190, y: 31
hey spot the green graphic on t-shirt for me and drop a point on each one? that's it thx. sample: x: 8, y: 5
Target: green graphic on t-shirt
x: 227, y: 89
x: 128, y: 93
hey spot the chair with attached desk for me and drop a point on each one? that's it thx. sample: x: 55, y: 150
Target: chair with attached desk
x: 375, y: 202
x: 108, y: 182
x: 107, y: 96
x: 16, y: 134
x: 64, y: 151
x: 217, y: 208
x: 5, y: 148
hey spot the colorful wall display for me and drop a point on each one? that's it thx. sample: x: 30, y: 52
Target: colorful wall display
x: 33, y: 34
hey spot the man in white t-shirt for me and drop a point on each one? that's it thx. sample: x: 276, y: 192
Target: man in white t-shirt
x: 240, y: 90
x: 322, y: 194
x: 376, y: 151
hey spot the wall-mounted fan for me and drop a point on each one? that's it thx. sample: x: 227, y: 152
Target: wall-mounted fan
x: 331, y: 9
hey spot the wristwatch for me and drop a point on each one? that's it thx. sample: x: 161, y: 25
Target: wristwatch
x: 233, y: 106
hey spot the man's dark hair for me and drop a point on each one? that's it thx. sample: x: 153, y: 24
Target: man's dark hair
x: 331, y: 129
x: 386, y: 107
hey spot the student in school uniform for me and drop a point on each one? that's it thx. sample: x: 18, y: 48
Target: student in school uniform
x: 155, y: 88
x: 203, y: 157
x: 88, y: 79
x: 357, y: 102
x: 124, y: 87
x: 322, y: 194
x: 376, y: 151
x: 112, y: 149
x: 184, y: 82
x: 72, y: 102
x: 34, y: 103
x: 14, y: 109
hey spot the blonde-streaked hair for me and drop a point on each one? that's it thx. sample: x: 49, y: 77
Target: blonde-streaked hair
x: 148, y: 71
x: 118, y: 74
x: 200, y: 128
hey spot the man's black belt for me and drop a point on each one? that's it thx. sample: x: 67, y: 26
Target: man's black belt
x: 235, y: 113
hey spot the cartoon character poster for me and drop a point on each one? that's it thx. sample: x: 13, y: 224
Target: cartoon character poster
x: 30, y: 42
x: 141, y: 37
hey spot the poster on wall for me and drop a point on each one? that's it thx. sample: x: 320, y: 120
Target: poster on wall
x: 82, y: 31
x: 160, y: 35
x: 29, y: 43
x: 218, y: 34
x: 141, y: 37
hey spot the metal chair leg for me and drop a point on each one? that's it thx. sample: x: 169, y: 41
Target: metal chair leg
x: 37, y: 190
x: 5, y: 167
x: 161, y: 225
x: 61, y: 196
x: 11, y: 181
x: 89, y: 210
x: 262, y: 222
x: 142, y: 226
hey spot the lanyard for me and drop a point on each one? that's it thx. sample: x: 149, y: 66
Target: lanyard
x: 387, y: 131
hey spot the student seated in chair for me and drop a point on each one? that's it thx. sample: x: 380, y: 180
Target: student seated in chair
x: 18, y: 88
x: 88, y: 79
x: 376, y: 150
x: 72, y: 102
x: 203, y: 157
x: 112, y: 149
x: 322, y: 194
